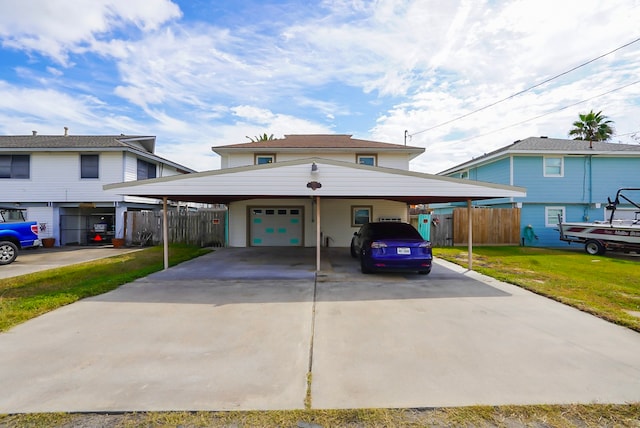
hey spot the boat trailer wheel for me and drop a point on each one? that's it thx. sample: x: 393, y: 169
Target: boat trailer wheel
x: 594, y: 247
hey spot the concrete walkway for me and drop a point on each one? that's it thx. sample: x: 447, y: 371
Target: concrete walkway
x: 232, y: 330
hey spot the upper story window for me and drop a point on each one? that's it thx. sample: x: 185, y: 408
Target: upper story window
x: 464, y: 175
x: 553, y: 166
x: 264, y: 159
x: 371, y: 160
x: 146, y: 170
x: 89, y: 166
x: 14, y: 166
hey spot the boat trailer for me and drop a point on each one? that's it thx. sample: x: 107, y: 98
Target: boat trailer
x: 611, y: 234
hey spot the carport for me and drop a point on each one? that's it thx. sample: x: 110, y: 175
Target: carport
x: 318, y: 179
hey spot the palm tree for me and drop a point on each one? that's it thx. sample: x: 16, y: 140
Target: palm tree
x: 593, y: 127
x: 263, y: 137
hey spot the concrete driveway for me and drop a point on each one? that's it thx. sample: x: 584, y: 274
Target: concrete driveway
x: 32, y: 260
x: 235, y: 330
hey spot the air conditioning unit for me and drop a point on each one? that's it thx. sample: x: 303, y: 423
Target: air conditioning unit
x: 390, y: 219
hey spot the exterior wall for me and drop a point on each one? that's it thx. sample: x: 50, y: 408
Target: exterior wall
x: 131, y: 168
x: 583, y: 189
x: 387, y: 160
x: 55, y: 184
x: 335, y: 218
x: 495, y: 172
x: 55, y: 177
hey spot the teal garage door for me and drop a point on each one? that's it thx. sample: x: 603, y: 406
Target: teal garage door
x: 275, y: 226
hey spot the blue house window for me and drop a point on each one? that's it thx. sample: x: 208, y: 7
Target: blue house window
x: 551, y: 216
x: 553, y: 166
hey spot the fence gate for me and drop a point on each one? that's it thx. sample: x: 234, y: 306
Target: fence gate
x: 441, y: 228
x: 205, y: 228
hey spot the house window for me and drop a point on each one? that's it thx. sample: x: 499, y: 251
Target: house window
x: 264, y: 159
x: 371, y: 160
x: 551, y: 215
x: 14, y: 166
x: 89, y: 166
x: 464, y: 175
x: 360, y: 215
x: 146, y: 170
x: 553, y: 166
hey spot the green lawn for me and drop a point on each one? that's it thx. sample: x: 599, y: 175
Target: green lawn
x: 28, y: 296
x: 606, y: 286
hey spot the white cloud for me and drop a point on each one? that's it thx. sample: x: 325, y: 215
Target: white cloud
x: 55, y: 28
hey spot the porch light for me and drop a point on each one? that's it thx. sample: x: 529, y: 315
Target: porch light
x: 314, y: 167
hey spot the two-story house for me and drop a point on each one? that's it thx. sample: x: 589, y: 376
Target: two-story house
x: 311, y: 190
x: 59, y: 179
x: 570, y: 178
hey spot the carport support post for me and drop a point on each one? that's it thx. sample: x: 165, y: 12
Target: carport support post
x: 470, y: 225
x: 318, y: 237
x: 165, y: 233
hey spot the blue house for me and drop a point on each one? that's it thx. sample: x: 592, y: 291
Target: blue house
x: 571, y: 178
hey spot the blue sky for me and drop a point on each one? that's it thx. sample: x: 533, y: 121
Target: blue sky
x: 203, y: 73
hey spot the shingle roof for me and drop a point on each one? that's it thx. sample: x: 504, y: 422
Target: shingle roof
x: 317, y: 141
x: 67, y: 142
x: 562, y: 145
x: 552, y: 146
x: 142, y: 145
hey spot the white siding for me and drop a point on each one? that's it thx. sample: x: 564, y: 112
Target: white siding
x: 55, y: 177
x: 44, y: 217
x: 335, y: 218
x: 387, y: 160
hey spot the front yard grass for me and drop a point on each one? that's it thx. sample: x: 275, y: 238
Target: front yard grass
x: 578, y: 415
x: 28, y: 296
x: 606, y: 286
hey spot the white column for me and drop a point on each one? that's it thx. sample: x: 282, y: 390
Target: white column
x: 318, y: 238
x: 165, y: 232
x: 470, y: 243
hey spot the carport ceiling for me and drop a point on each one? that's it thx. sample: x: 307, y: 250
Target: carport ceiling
x: 339, y: 180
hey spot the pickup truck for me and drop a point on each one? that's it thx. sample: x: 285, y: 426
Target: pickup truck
x: 15, y: 234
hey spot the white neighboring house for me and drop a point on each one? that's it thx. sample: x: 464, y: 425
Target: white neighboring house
x: 59, y: 179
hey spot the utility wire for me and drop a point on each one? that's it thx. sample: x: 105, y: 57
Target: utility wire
x: 526, y: 90
x: 550, y: 112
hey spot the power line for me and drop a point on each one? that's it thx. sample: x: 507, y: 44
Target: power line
x: 550, y: 112
x: 526, y: 90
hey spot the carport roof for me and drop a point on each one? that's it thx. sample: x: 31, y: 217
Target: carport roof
x: 290, y: 179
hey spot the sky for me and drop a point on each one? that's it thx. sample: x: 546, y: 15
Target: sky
x: 451, y: 76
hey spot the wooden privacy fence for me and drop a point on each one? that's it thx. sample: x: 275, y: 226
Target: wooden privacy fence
x: 205, y: 228
x: 491, y: 226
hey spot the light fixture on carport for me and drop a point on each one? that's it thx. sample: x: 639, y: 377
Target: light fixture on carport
x: 314, y: 167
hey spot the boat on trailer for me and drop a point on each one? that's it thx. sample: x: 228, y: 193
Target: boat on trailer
x: 613, y: 234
